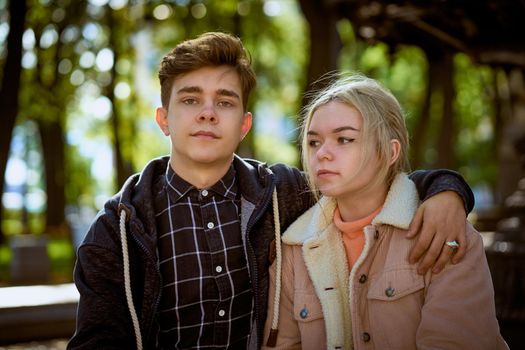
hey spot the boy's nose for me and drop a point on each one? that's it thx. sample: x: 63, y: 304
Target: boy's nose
x: 207, y: 114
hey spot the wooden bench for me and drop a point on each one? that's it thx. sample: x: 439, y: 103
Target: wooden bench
x: 37, y: 312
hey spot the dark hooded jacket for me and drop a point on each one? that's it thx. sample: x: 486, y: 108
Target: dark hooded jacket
x: 103, y: 319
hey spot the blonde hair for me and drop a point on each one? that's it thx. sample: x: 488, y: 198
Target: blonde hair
x: 383, y: 121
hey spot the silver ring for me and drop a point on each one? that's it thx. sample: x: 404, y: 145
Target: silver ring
x: 452, y: 244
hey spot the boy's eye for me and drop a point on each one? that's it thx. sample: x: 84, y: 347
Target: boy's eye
x: 189, y: 101
x: 225, y: 104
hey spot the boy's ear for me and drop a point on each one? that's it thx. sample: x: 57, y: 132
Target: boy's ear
x: 161, y: 116
x: 396, y: 150
x: 247, y: 120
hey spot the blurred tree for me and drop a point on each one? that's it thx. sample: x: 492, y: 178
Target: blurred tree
x: 47, y: 92
x: 119, y: 28
x: 325, y: 43
x: 10, y: 85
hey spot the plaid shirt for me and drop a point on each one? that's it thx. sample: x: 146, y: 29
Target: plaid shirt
x: 206, y: 299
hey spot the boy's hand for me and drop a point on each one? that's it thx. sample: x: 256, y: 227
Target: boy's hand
x: 440, y: 219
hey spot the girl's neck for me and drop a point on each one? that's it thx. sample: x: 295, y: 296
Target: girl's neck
x: 357, y: 206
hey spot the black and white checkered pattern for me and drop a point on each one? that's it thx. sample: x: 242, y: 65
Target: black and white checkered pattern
x: 207, y: 300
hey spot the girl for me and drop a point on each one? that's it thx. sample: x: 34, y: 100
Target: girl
x: 346, y: 282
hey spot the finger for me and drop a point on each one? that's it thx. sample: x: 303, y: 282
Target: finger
x: 430, y: 257
x: 443, y: 259
x: 424, y: 241
x: 415, y: 225
x: 461, y: 251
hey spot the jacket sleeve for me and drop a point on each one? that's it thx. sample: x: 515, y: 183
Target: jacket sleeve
x: 459, y: 311
x: 103, y: 320
x: 294, y: 195
x: 432, y: 182
x: 288, y: 336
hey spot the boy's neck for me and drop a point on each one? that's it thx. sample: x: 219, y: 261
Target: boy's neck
x: 203, y: 176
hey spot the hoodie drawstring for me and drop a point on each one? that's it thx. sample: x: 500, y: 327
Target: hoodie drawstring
x: 272, y: 339
x: 127, y: 280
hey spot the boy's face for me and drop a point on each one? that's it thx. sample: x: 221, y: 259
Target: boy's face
x: 205, y: 118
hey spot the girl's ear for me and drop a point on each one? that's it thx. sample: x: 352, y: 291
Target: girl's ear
x: 395, y: 149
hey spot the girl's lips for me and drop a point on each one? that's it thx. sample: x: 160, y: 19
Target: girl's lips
x: 324, y: 172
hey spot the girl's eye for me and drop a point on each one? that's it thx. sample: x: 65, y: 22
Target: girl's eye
x: 345, y: 140
x: 313, y: 143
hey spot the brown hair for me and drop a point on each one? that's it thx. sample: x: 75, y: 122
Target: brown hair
x: 209, y: 49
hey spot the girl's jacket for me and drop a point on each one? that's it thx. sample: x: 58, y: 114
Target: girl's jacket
x: 383, y: 303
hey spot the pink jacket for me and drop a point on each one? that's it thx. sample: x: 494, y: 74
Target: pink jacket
x: 382, y: 303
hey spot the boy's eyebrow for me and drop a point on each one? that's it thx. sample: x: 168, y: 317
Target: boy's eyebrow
x: 189, y: 89
x: 335, y: 131
x: 230, y: 93
x: 197, y: 89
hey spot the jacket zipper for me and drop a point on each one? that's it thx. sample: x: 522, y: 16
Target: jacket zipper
x: 258, y: 216
x: 157, y: 301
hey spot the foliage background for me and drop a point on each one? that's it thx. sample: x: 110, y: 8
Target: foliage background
x: 88, y: 91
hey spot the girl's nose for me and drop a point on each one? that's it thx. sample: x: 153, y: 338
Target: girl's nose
x: 324, y: 153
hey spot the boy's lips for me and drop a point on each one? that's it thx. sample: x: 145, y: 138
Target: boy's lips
x: 205, y: 134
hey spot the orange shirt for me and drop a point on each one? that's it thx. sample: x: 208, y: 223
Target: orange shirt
x: 353, y: 234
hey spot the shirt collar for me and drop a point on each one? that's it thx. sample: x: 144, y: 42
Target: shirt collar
x: 225, y: 187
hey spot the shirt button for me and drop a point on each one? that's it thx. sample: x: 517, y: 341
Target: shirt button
x: 211, y: 225
x: 362, y: 279
x: 366, y: 337
x: 390, y: 292
x: 222, y: 313
x: 218, y: 269
x: 204, y: 193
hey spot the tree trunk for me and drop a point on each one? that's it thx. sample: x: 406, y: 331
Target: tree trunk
x: 9, y: 90
x: 420, y: 134
x: 325, y: 43
x: 53, y: 146
x: 122, y: 165
x: 51, y: 129
x: 447, y: 135
x: 511, y: 164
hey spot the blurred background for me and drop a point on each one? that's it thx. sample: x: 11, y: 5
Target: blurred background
x: 79, y: 89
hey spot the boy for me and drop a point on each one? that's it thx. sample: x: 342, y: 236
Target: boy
x: 179, y: 257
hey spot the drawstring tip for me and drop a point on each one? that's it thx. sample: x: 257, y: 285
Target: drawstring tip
x: 272, y: 338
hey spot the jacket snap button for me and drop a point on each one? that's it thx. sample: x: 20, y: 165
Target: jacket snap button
x: 362, y: 278
x: 390, y: 292
x: 366, y: 337
x: 303, y: 313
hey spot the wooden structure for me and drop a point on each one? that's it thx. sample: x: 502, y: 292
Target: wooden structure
x: 490, y: 32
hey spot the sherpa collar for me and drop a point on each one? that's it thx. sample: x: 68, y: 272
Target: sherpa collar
x: 400, y: 206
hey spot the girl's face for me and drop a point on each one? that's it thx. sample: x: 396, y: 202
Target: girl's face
x: 335, y: 152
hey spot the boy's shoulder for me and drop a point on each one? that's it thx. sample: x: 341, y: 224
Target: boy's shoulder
x: 281, y: 172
